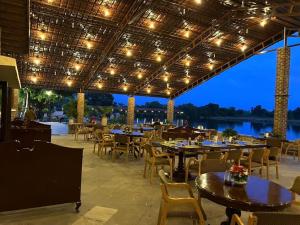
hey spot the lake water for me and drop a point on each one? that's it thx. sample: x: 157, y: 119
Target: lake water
x: 242, y: 127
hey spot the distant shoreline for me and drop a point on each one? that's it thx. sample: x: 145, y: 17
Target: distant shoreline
x: 248, y: 119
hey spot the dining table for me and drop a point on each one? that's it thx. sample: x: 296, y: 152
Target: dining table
x: 181, y: 147
x: 257, y: 194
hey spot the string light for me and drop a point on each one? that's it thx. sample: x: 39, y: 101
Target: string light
x: 168, y: 92
x: 187, y: 80
x: 148, y: 89
x: 43, y: 35
x: 34, y: 78
x: 89, y: 45
x: 158, y: 58
x: 211, y: 66
x: 112, y: 71
x: 69, y: 82
x: 166, y: 78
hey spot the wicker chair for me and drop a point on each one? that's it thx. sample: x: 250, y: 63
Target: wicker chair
x: 233, y: 156
x: 155, y: 158
x: 269, y: 218
x: 255, y: 160
x: 121, y: 144
x: 272, y: 158
x: 293, y: 148
x: 185, y: 206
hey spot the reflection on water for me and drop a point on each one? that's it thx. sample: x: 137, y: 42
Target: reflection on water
x: 249, y: 128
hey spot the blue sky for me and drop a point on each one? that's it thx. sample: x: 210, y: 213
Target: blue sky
x: 247, y: 84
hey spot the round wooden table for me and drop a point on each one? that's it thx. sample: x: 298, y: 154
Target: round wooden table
x: 257, y: 195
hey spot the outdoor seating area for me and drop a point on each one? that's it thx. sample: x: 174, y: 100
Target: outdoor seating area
x: 70, y: 64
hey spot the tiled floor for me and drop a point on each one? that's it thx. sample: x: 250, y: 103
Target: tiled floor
x: 117, y: 194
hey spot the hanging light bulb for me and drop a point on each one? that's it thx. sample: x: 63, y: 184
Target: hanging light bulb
x: 243, y: 47
x: 77, y: 67
x: 219, y: 41
x: 106, y: 12
x: 128, y: 53
x: 37, y: 61
x: 187, y: 80
x: 42, y: 35
x: 168, y: 91
x: 158, y: 58
x: 211, y: 66
x: 148, y: 89
x: 112, y: 71
x: 140, y: 75
x: 263, y: 22
x: 34, y: 78
x: 198, y: 2
x: 151, y: 25
x: 50, y: 1
x: 125, y: 87
x: 69, y: 82
x: 89, y: 45
x: 100, y: 85
x: 187, y: 33
x: 166, y: 78
x: 187, y: 62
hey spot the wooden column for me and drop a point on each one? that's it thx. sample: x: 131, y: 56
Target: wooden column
x: 80, y: 107
x: 130, y: 111
x: 170, y: 111
x: 282, y: 92
x: 14, y: 103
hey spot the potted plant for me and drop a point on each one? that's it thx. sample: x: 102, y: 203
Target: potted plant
x: 105, y: 112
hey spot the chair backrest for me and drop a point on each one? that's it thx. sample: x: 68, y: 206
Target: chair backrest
x: 296, y: 186
x: 276, y: 218
x: 234, y: 155
x: 149, y: 150
x: 163, y: 178
x: 122, y: 139
x: 258, y: 155
x: 213, y: 165
x: 213, y: 155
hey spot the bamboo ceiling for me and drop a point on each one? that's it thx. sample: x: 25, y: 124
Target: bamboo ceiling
x: 154, y: 47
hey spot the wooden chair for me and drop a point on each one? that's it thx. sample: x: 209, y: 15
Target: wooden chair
x: 106, y: 141
x: 293, y: 148
x: 255, y: 160
x: 213, y: 155
x: 233, y: 156
x: 121, y: 144
x: 155, y: 158
x: 296, y: 190
x: 268, y: 218
x: 140, y: 143
x: 85, y: 131
x: 272, y: 157
x: 185, y: 206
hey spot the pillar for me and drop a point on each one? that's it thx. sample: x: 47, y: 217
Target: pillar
x: 80, y: 107
x: 130, y: 111
x: 282, y: 92
x: 170, y: 111
x: 14, y: 103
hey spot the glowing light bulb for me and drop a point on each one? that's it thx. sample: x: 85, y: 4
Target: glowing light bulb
x: 140, y: 75
x: 168, y: 92
x: 158, y: 58
x: 34, y: 79
x: 218, y: 41
x: 69, y: 83
x: 152, y: 25
x: 42, y: 35
x: 243, y: 47
x: 50, y: 1
x: 187, y: 63
x: 106, y: 12
x: 89, y: 45
x: 112, y: 71
x: 125, y: 88
x: 100, y: 85
x: 211, y: 66
x: 49, y: 93
x: 148, y: 90
x: 166, y: 78
x: 187, y: 33
x: 263, y: 22
x: 37, y: 61
x: 198, y: 2
x: 77, y: 67
x: 128, y: 53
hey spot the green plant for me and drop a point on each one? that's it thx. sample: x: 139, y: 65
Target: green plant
x: 229, y: 132
x: 106, y: 110
x: 70, y: 108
